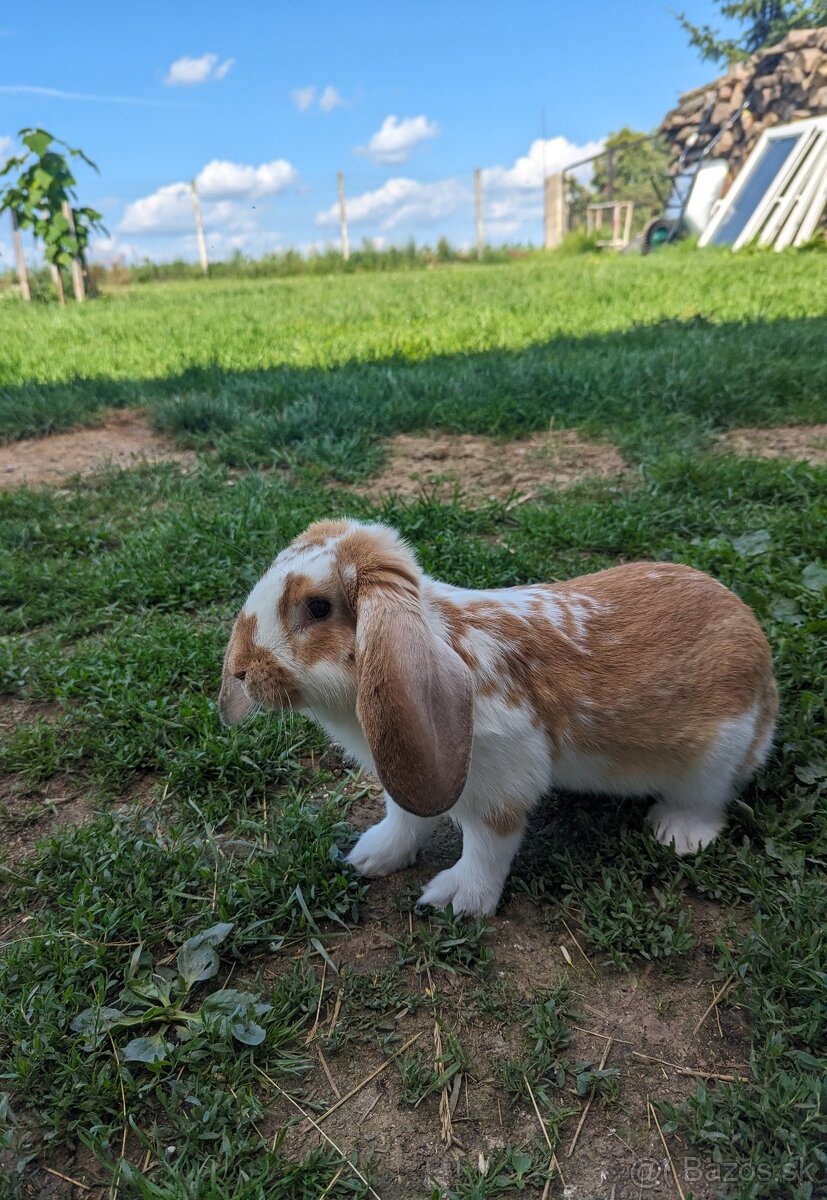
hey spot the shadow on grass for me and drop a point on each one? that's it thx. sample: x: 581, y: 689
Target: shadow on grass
x: 652, y: 388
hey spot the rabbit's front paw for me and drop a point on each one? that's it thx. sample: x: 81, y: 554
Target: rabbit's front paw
x: 464, y: 890
x: 382, y: 850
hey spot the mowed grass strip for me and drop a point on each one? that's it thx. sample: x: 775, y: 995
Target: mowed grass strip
x: 655, y: 353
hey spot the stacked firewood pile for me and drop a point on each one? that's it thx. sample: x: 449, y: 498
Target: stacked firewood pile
x: 779, y: 84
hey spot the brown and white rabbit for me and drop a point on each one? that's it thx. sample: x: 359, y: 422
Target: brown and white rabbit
x: 647, y: 678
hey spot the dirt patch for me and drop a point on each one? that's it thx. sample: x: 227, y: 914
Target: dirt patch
x: 31, y: 812
x: 124, y: 440
x: 805, y: 442
x: 481, y: 468
x: 652, y: 1014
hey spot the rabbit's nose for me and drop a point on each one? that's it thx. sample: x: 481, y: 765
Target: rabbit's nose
x: 240, y: 675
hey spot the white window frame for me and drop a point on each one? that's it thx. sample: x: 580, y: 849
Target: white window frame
x: 808, y: 132
x: 810, y: 223
x: 803, y: 206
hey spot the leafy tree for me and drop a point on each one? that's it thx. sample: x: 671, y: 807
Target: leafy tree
x: 638, y: 172
x: 44, y: 184
x: 765, y: 22
x: 578, y: 197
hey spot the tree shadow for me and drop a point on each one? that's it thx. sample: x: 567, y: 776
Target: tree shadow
x: 652, y: 388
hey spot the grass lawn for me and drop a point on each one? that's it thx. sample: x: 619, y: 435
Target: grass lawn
x: 190, y: 978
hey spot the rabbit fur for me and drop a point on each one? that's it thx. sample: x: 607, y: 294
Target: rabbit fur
x: 646, y: 678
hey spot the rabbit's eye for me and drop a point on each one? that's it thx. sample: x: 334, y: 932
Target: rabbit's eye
x: 318, y: 608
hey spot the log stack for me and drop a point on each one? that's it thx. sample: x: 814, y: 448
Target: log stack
x: 781, y: 83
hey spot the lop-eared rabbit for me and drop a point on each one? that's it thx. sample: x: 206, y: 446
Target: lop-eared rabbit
x: 648, y: 678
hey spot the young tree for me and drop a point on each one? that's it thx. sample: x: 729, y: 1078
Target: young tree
x: 44, y: 185
x: 764, y: 22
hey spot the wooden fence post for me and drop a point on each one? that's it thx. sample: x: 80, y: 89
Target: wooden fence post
x: 77, y: 269
x: 199, y: 230
x: 340, y: 181
x: 478, y: 208
x: 19, y: 258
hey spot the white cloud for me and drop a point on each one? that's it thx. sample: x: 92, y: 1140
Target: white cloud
x: 330, y: 99
x: 26, y: 89
x: 226, y: 179
x: 221, y: 243
x: 401, y: 201
x: 512, y: 196
x: 303, y: 97
x: 223, y: 69
x: 169, y: 210
x: 253, y: 242
x: 528, y: 170
x: 109, y: 250
x: 393, y: 142
x: 185, y: 71
x: 224, y: 188
x: 6, y: 147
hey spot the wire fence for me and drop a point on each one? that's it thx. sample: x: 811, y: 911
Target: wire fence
x: 605, y: 200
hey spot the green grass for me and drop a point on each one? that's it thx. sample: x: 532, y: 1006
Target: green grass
x: 656, y: 352
x: 115, y: 600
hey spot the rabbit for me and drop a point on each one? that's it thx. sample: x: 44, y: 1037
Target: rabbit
x: 648, y: 678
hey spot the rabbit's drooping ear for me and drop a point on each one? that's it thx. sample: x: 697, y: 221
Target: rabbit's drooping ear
x: 414, y: 698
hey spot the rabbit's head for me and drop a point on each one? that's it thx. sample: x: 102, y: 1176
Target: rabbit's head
x: 336, y: 625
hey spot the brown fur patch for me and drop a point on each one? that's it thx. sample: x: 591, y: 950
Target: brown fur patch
x: 414, y: 698
x: 319, y: 533
x: 296, y: 591
x: 504, y: 821
x: 243, y: 643
x: 668, y: 654
x: 312, y: 640
x: 377, y: 558
x: 267, y: 680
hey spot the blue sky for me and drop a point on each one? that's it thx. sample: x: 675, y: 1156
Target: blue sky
x: 264, y: 102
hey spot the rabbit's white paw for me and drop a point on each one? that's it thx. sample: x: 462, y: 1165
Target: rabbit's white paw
x: 383, y: 849
x: 465, y: 890
x: 687, y: 832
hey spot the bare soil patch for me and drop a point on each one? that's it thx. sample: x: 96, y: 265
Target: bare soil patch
x: 30, y: 812
x: 124, y: 440
x: 482, y: 468
x: 805, y: 442
x: 651, y: 1013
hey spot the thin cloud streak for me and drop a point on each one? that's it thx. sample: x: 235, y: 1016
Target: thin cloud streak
x: 26, y: 89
